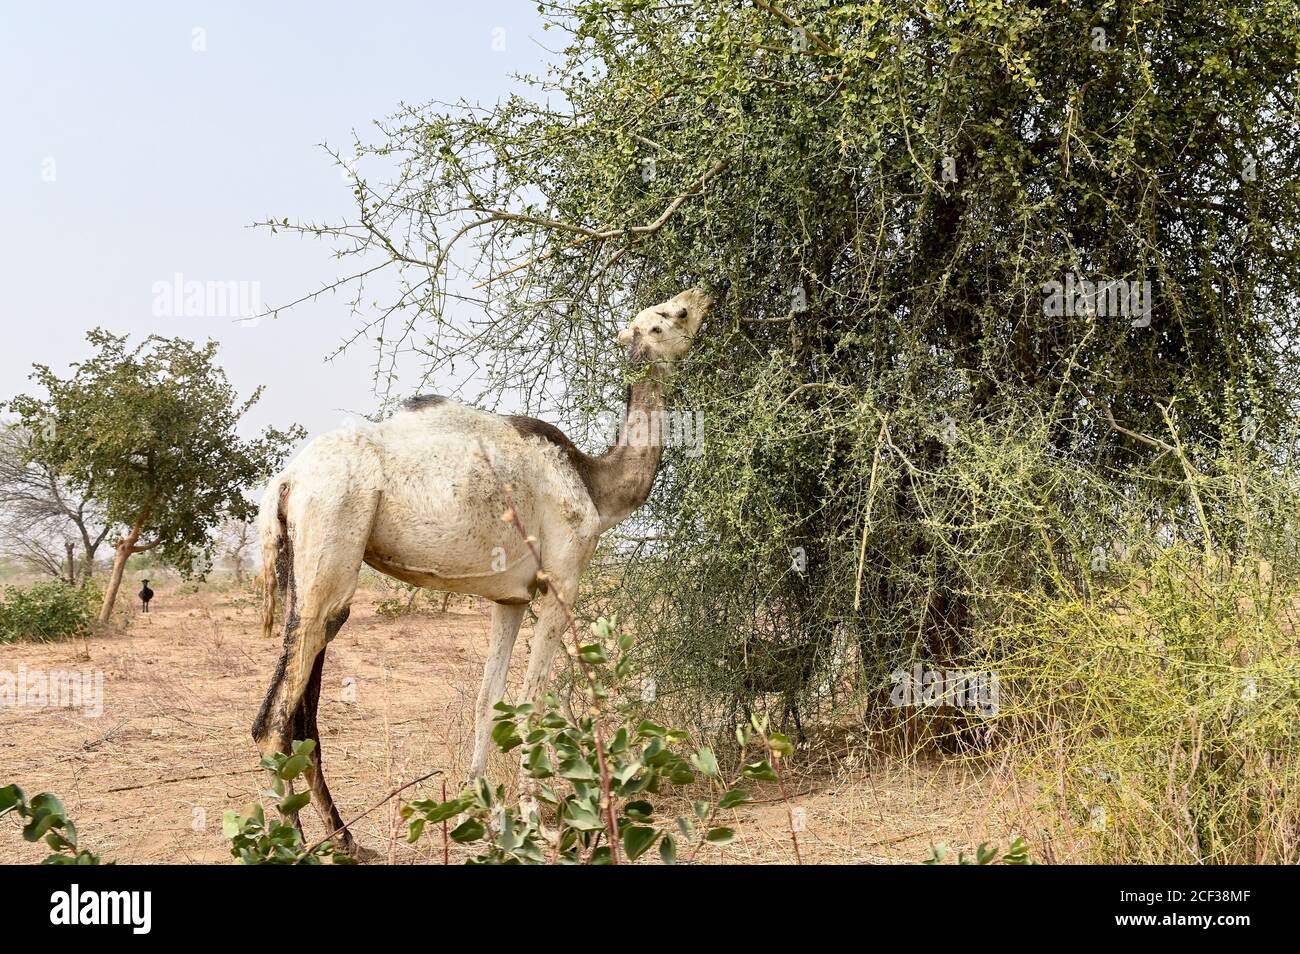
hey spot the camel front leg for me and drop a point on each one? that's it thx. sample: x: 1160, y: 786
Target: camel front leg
x: 548, y: 635
x: 505, y: 627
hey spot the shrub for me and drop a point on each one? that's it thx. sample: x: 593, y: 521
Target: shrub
x: 46, y: 819
x: 254, y: 842
x: 601, y: 775
x: 45, y: 612
x: 1161, y: 720
x: 407, y: 600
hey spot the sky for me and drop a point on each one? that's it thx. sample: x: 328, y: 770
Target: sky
x: 142, y: 140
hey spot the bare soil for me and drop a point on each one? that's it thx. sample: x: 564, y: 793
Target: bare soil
x: 147, y: 780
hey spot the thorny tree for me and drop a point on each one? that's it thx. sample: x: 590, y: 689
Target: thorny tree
x: 882, y: 195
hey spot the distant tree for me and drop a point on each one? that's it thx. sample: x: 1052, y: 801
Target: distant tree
x: 236, y: 537
x: 43, y: 520
x: 149, y: 434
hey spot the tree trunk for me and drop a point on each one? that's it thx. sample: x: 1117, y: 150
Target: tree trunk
x: 70, y: 550
x: 125, y: 547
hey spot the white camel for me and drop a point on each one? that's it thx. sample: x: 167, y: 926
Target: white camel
x: 414, y: 498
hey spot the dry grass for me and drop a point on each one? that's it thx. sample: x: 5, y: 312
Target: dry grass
x: 148, y: 781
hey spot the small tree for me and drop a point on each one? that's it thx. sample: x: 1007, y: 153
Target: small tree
x: 237, y: 536
x: 149, y: 433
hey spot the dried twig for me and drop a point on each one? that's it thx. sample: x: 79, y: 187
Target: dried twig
x: 383, y: 801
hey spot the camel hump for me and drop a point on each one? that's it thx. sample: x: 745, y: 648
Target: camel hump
x: 423, y: 401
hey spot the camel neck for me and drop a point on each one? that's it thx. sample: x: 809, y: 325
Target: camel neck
x: 625, y: 474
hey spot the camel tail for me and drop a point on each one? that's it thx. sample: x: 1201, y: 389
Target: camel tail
x: 272, y: 530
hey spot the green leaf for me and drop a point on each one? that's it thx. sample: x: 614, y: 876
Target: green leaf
x: 578, y: 770
x: 733, y: 798
x: 446, y: 810
x: 539, y: 763
x: 12, y: 799
x: 681, y: 774
x: 593, y: 654
x: 505, y: 736
x: 639, y: 810
x: 45, y: 812
x: 780, y: 744
x: 668, y: 850
x: 720, y: 836
x: 294, y: 766
x: 294, y: 803
x: 471, y: 829
x: 706, y: 762
x: 637, y: 840
x: 416, y: 830
x: 1018, y: 853
x: 231, y: 824
x: 582, y: 815
x: 647, y: 729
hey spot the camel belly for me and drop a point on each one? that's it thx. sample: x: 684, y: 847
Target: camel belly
x: 500, y: 588
x: 459, y: 545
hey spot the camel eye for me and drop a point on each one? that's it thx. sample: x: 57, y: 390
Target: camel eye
x: 656, y: 330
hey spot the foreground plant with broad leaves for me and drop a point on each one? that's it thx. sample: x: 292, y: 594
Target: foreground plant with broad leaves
x: 46, y: 819
x: 604, y: 790
x: 254, y: 842
x: 985, y: 854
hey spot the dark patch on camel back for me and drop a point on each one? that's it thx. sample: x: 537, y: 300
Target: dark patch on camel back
x: 584, y: 465
x: 422, y: 401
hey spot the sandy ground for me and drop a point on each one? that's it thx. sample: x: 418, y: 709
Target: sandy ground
x: 147, y: 781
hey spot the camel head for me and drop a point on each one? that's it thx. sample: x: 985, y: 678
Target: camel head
x: 663, y: 333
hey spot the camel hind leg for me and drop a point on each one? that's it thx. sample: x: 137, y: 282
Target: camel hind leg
x: 305, y: 727
x: 321, y: 550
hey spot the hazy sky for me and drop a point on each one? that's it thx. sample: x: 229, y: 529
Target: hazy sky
x: 131, y: 155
